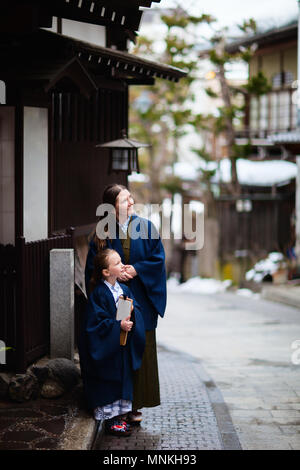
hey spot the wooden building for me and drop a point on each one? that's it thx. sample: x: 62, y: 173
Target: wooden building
x: 269, y: 225
x: 259, y: 221
x: 64, y: 80
x: 275, y: 111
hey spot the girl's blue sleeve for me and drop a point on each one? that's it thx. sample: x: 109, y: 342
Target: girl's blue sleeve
x: 102, y: 329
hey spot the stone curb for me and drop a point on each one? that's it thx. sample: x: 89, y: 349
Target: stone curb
x: 227, y: 431
x: 81, y: 434
x: 98, y: 435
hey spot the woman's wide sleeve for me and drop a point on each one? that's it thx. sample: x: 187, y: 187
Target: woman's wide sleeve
x: 152, y: 272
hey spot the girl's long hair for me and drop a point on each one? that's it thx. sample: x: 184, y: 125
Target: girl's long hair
x: 110, y: 194
x: 101, y: 261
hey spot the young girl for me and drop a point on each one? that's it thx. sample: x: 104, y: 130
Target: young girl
x: 107, y: 367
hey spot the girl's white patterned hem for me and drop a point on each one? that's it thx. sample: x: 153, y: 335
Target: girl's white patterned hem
x: 118, y: 407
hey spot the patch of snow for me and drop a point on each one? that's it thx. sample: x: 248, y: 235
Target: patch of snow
x: 257, y: 173
x: 198, y: 285
x: 138, y: 177
x: 185, y: 171
x: 172, y: 284
x: 275, y: 257
x: 248, y: 293
x: 265, y: 266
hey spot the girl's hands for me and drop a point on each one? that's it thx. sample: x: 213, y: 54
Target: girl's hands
x: 126, y: 324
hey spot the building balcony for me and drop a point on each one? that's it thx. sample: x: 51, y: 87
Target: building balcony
x: 268, y: 114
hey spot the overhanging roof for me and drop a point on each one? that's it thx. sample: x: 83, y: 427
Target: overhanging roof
x: 34, y: 57
x: 272, y: 36
x: 125, y: 64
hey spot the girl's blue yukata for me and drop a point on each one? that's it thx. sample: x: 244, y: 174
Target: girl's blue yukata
x: 107, y: 367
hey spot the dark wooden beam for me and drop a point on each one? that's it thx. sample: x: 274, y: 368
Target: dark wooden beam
x: 96, y: 13
x: 105, y: 83
x: 140, y: 81
x: 23, y: 18
x: 24, y: 15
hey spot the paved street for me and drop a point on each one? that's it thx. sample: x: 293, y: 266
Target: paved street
x: 245, y: 346
x: 192, y: 415
x: 226, y: 377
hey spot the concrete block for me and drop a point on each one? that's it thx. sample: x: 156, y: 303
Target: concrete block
x: 62, y: 303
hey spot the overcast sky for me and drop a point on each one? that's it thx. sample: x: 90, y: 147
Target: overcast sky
x: 232, y: 11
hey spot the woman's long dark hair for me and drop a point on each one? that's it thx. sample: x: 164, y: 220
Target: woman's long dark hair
x: 110, y: 194
x: 101, y: 261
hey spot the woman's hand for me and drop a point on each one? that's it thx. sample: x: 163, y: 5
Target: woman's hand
x: 126, y: 324
x: 129, y: 269
x: 124, y: 277
x: 128, y: 273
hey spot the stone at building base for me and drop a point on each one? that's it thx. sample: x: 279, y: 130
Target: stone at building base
x: 58, y: 376
x: 52, y: 389
x: 23, y: 387
x: 65, y: 371
x: 51, y: 380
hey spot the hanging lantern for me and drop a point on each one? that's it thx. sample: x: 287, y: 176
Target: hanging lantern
x: 124, y: 154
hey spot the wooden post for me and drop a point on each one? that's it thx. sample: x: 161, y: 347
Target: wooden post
x: 71, y: 232
x: 20, y: 306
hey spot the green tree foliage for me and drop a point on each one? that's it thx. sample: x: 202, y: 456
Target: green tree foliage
x: 169, y: 114
x: 258, y: 84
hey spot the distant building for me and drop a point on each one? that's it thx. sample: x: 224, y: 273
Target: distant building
x: 276, y: 111
x: 262, y: 218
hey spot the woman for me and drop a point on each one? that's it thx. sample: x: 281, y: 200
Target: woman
x: 144, y: 260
